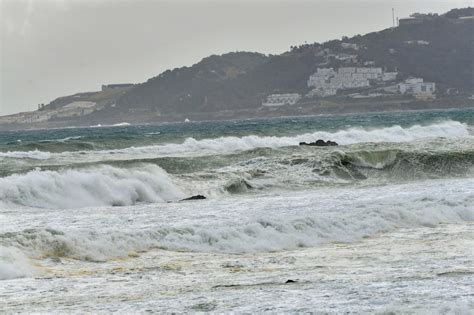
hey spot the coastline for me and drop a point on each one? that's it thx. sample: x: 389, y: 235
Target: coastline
x: 307, y: 109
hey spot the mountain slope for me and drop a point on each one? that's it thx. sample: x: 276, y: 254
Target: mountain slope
x: 242, y: 80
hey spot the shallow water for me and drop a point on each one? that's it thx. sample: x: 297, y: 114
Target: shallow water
x: 90, y: 218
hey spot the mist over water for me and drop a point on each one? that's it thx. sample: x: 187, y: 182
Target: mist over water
x: 74, y: 197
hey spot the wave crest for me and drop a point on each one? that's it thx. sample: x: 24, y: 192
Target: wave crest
x: 285, y: 230
x: 35, y: 154
x: 226, y: 145
x: 99, y: 186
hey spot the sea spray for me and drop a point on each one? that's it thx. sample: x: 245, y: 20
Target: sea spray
x: 97, y: 186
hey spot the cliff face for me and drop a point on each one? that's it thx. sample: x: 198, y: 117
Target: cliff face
x: 439, y: 49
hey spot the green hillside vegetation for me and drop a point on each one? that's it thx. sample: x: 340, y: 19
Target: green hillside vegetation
x: 197, y: 86
x: 446, y: 60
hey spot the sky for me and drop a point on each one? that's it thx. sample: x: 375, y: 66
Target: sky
x: 53, y: 48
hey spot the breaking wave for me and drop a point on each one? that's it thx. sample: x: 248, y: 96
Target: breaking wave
x: 98, y: 186
x: 448, y: 129
x: 328, y: 168
x: 122, y: 124
x: 36, y: 155
x: 226, y: 145
x: 129, y: 182
x: 347, y: 222
x: 15, y: 264
x: 62, y: 139
x: 408, y: 165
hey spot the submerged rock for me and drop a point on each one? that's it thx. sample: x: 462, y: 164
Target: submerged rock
x: 320, y: 143
x: 195, y: 197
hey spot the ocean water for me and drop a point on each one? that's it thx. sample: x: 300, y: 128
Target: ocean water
x: 91, y: 219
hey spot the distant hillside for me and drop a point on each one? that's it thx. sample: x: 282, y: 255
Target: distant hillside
x: 437, y: 48
x: 242, y: 80
x: 198, y: 86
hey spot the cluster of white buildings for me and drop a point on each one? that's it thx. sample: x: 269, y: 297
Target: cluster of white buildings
x: 282, y: 99
x: 347, y: 58
x: 349, y: 46
x: 417, y: 42
x: 327, y: 81
x: 418, y: 88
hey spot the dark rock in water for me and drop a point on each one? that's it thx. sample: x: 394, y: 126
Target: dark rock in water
x: 320, y: 143
x: 290, y: 281
x: 196, y: 197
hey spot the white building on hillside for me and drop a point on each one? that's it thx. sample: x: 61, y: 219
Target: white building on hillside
x: 417, y: 42
x: 282, y: 99
x: 346, y: 58
x: 418, y: 88
x: 322, y: 91
x: 326, y: 81
x: 321, y: 76
x: 389, y: 76
x: 349, y: 46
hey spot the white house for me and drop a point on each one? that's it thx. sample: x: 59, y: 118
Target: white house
x: 322, y: 92
x: 349, y: 46
x: 417, y: 42
x: 389, y: 76
x: 346, y: 58
x: 282, y: 99
x: 417, y: 88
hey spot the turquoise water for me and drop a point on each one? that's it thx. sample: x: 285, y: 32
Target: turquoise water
x: 96, y: 138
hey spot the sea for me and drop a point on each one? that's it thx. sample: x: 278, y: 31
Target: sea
x: 92, y: 220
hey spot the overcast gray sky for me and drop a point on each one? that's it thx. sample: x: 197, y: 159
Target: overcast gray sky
x: 52, y: 48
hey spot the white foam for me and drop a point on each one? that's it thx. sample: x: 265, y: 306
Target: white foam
x: 62, y: 139
x: 99, y: 186
x: 448, y: 129
x: 375, y: 159
x: 15, y: 264
x: 36, y: 155
x: 122, y: 124
x: 264, y: 223
x: 226, y: 145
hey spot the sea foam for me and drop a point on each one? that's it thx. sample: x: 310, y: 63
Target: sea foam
x: 226, y: 145
x: 269, y: 223
x: 15, y: 264
x: 98, y: 186
x: 448, y: 129
x: 35, y: 154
